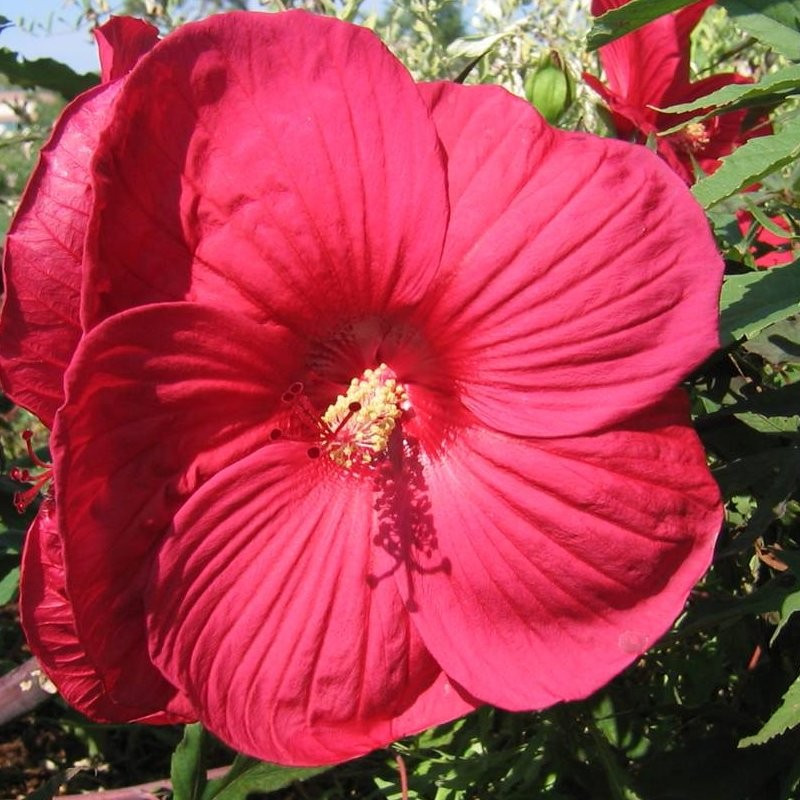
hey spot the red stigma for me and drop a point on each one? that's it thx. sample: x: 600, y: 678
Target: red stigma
x: 24, y: 498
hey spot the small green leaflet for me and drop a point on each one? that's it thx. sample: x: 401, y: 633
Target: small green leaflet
x: 738, y: 94
x: 9, y: 584
x: 754, y: 300
x: 475, y: 45
x: 188, y: 773
x: 786, y: 717
x: 750, y: 163
x: 250, y: 776
x: 780, y: 344
x: 789, y: 606
x: 774, y: 22
x: 632, y: 15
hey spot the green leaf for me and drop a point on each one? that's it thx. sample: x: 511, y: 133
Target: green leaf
x: 780, y: 344
x: 712, y: 613
x: 248, y: 775
x: 188, y: 773
x: 752, y: 301
x: 44, y: 73
x: 770, y: 423
x: 632, y: 15
x: 790, y: 605
x: 774, y: 22
x: 750, y: 163
x: 9, y: 584
x: 763, y: 219
x: 786, y: 717
x: 784, y: 401
x: 772, y: 475
x: 785, y: 80
x: 474, y: 45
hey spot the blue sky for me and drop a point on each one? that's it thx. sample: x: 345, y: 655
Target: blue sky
x: 47, y: 28
x: 53, y: 32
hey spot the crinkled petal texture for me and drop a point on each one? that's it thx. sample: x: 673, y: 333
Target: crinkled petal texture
x: 289, y: 631
x: 330, y: 189
x: 40, y: 325
x: 49, y: 623
x: 42, y: 267
x: 560, y: 561
x: 260, y: 602
x: 159, y: 399
x: 579, y: 281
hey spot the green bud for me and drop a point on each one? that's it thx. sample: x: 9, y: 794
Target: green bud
x: 550, y: 87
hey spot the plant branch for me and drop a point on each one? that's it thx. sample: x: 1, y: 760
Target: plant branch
x: 21, y: 690
x: 154, y: 790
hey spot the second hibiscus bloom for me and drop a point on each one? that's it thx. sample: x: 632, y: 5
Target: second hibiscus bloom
x: 647, y: 70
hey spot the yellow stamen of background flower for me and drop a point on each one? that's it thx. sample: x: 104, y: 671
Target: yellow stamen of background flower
x: 697, y: 135
x: 358, y: 425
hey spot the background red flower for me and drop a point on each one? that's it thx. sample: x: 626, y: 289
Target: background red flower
x: 649, y: 69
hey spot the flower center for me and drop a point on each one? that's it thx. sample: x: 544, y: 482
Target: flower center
x: 697, y: 136
x: 357, y: 426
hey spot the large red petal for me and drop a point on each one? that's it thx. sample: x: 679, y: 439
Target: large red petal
x: 580, y: 280
x: 269, y: 607
x: 159, y: 399
x: 40, y: 325
x: 42, y: 267
x: 557, y: 563
x: 49, y: 624
x: 121, y: 42
x: 289, y: 155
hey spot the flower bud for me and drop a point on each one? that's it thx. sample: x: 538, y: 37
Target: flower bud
x: 550, y: 87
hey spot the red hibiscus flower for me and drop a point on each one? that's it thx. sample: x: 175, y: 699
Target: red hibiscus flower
x: 649, y: 69
x: 768, y: 249
x: 372, y: 417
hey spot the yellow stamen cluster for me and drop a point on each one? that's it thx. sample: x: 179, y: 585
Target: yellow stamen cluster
x: 697, y: 135
x: 358, y: 425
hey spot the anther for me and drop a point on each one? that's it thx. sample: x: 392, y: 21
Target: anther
x: 358, y: 426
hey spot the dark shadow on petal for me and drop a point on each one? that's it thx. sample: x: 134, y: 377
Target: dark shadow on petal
x: 403, y: 507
